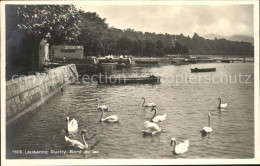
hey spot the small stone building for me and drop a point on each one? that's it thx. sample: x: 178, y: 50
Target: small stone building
x: 68, y: 51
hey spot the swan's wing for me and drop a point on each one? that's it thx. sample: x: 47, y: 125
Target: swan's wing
x: 187, y: 142
x: 147, y: 131
x: 74, y: 122
x: 73, y: 125
x: 207, y: 129
x: 151, y: 104
x: 111, y: 118
x: 159, y: 118
x: 182, y: 148
x: 73, y: 142
x: 152, y: 126
x: 224, y: 105
x: 103, y: 107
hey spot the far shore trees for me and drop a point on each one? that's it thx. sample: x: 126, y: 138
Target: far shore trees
x: 26, y: 25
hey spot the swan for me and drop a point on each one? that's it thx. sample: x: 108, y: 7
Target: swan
x: 104, y: 107
x: 76, y: 143
x: 111, y: 118
x: 151, y: 128
x: 221, y: 105
x: 158, y: 118
x: 206, y: 130
x: 72, y: 125
x: 179, y: 148
x: 148, y: 104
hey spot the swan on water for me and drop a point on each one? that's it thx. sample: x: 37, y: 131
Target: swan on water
x: 179, y: 148
x: 104, y: 107
x: 148, y: 104
x: 111, y: 118
x: 158, y: 118
x: 76, y: 143
x: 72, y: 125
x: 151, y: 128
x: 221, y: 105
x: 206, y: 130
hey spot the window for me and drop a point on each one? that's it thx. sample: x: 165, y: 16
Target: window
x: 68, y: 51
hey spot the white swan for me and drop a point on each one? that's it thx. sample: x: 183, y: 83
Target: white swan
x: 151, y: 128
x: 72, y: 125
x: 206, y: 130
x: 221, y: 105
x: 111, y: 118
x: 148, y: 104
x: 76, y: 143
x: 179, y: 148
x: 158, y: 118
x: 104, y: 107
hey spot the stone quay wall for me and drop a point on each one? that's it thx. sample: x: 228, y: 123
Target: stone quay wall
x: 24, y: 94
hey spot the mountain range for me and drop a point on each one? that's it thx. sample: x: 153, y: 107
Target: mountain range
x: 232, y: 38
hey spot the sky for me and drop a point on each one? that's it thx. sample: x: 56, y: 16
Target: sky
x: 224, y: 20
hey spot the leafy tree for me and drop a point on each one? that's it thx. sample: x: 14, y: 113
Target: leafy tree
x: 124, y: 46
x: 149, y: 49
x: 94, y: 32
x: 30, y: 23
x: 159, y: 48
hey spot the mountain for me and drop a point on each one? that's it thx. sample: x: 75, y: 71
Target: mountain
x: 232, y: 38
x: 241, y: 38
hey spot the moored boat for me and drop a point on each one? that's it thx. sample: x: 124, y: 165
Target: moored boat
x: 128, y: 80
x: 203, y: 70
x: 180, y: 61
x: 225, y: 61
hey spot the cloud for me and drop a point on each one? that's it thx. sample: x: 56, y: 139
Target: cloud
x: 223, y: 20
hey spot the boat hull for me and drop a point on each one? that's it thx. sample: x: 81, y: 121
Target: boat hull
x: 195, y: 70
x: 122, y: 80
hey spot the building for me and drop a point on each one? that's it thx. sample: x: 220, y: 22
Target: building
x: 68, y: 51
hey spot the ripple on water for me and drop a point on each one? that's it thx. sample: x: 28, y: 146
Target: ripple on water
x: 186, y: 105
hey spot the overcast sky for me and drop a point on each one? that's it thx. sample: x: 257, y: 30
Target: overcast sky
x: 223, y: 20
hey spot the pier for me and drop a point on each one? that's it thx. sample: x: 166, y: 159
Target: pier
x: 146, y: 60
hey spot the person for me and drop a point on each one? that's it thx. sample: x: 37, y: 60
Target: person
x: 64, y: 59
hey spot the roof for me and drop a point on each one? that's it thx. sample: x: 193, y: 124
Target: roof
x: 67, y: 47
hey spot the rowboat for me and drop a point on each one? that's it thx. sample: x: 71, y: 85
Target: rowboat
x: 128, y: 80
x: 195, y: 70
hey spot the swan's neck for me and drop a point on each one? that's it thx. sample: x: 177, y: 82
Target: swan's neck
x: 219, y: 102
x: 153, y: 114
x: 209, y: 121
x: 174, y: 146
x: 144, y: 101
x: 98, y: 104
x: 101, y: 114
x: 85, y: 144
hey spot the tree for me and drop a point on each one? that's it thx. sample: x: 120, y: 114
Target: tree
x: 94, y: 34
x: 159, y: 48
x: 30, y: 23
x: 149, y: 49
x: 124, y: 46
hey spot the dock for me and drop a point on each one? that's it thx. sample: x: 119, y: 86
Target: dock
x: 147, y: 60
x: 128, y: 80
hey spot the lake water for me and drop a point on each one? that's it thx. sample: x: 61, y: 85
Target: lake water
x: 187, y: 105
